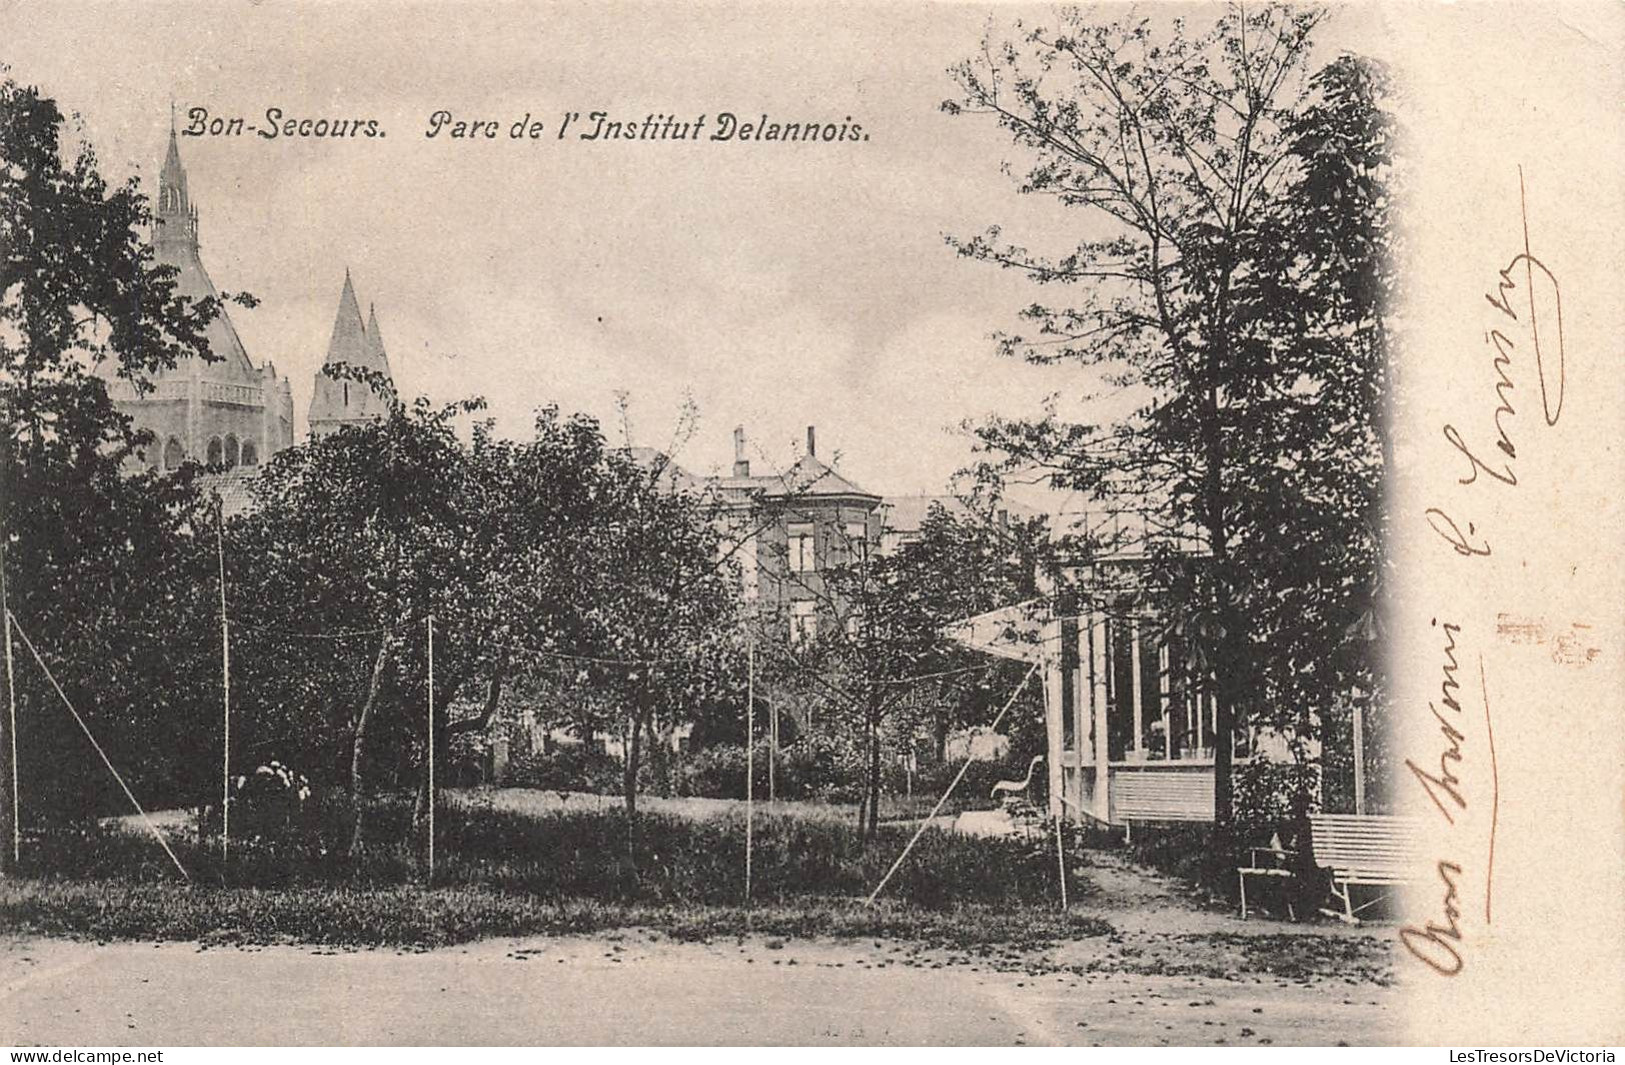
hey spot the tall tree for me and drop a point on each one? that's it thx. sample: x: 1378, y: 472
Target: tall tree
x: 100, y: 566
x: 1185, y: 152
x: 369, y: 532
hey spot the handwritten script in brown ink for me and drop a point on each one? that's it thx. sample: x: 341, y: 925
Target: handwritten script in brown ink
x: 1526, y: 335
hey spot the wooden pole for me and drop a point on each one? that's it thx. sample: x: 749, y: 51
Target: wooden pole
x: 1359, y: 759
x: 1060, y: 859
x: 431, y: 748
x: 750, y: 744
x: 225, y: 688
x: 11, y: 705
x: 772, y: 750
x: 1055, y: 816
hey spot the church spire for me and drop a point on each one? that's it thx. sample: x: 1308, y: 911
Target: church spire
x: 175, y: 220
x: 348, y: 343
x: 378, y: 358
x: 337, y: 400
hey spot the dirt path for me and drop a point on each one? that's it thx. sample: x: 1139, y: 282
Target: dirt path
x: 639, y: 987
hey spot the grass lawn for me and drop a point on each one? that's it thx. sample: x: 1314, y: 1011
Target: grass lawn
x: 407, y: 916
x: 517, y: 862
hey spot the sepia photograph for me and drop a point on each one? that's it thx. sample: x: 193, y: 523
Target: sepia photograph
x: 740, y: 524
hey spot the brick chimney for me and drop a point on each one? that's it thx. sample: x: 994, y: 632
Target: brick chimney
x: 812, y: 441
x: 741, y: 463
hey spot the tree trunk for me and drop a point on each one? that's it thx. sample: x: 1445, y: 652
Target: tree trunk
x: 358, y: 745
x: 630, y: 780
x: 660, y: 766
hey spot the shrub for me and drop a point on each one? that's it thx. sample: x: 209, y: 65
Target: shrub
x: 810, y: 768
x: 1269, y: 795
x: 569, y: 768
x: 1178, y: 848
x: 272, y: 802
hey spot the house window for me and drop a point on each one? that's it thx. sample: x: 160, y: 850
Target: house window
x: 857, y: 541
x: 803, y: 621
x: 251, y: 454
x: 748, y: 569
x: 217, y: 451
x: 803, y: 558
x: 174, y: 454
x: 231, y: 450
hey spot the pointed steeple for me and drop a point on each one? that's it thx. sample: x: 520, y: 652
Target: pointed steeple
x: 336, y: 400
x: 378, y: 358
x: 175, y: 220
x: 348, y: 343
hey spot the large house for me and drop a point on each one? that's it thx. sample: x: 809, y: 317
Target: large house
x: 795, y: 526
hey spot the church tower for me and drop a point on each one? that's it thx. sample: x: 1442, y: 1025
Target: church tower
x: 337, y: 401
x: 174, y: 235
x: 225, y: 412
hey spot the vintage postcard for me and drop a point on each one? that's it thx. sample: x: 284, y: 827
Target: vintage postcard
x: 739, y: 524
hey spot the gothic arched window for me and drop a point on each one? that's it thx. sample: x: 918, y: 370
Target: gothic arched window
x: 217, y: 451
x: 231, y: 450
x: 174, y: 454
x: 251, y: 455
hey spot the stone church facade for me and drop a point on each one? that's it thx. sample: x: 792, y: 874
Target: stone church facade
x: 223, y: 413
x: 230, y: 414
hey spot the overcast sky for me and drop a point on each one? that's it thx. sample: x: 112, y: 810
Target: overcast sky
x: 782, y: 285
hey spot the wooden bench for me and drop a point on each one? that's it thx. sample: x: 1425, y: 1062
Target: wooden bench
x: 1375, y: 850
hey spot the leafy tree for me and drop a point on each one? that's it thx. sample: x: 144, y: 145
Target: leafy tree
x: 370, y: 531
x: 1218, y: 187
x: 884, y: 657
x: 554, y: 556
x: 101, y: 567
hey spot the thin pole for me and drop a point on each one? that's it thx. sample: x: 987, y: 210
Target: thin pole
x: 870, y: 901
x: 1359, y: 759
x: 772, y: 750
x: 1060, y: 852
x: 106, y: 761
x: 431, y: 747
x: 11, y: 703
x: 1060, y: 859
x: 750, y: 745
x: 225, y: 688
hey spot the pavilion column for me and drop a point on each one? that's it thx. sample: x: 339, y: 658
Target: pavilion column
x: 1099, y: 666
x: 1082, y: 722
x: 1164, y: 700
x: 1134, y: 685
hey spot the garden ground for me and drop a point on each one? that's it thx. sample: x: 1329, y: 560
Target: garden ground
x: 1169, y: 971
x: 638, y: 987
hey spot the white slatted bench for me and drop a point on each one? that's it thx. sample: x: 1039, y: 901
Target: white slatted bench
x: 1161, y: 795
x: 1375, y: 850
